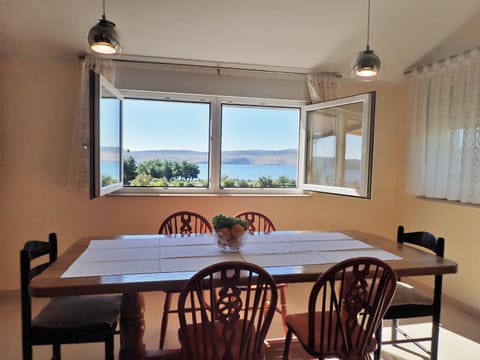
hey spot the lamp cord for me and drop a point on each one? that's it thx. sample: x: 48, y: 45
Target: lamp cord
x: 368, y: 26
x: 103, y: 16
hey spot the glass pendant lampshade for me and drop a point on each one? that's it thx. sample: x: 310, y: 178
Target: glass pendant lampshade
x: 103, y: 37
x: 366, y: 66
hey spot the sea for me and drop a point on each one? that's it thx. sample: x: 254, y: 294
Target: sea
x: 233, y: 171
x: 251, y: 171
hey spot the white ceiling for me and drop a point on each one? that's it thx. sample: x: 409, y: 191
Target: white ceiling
x: 324, y: 35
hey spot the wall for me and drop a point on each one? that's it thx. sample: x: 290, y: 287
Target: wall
x: 39, y: 105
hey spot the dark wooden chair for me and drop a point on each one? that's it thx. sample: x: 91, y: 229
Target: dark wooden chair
x: 65, y: 319
x: 181, y: 222
x: 410, y: 302
x: 260, y: 223
x: 185, y: 222
x: 235, y: 304
x: 346, y: 305
x: 257, y: 222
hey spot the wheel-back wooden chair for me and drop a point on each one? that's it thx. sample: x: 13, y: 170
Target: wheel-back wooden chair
x: 410, y: 302
x: 185, y: 223
x: 257, y: 222
x: 65, y: 319
x: 235, y: 304
x: 260, y: 223
x: 345, y: 307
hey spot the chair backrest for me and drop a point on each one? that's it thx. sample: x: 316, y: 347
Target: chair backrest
x: 346, y: 306
x: 31, y: 251
x: 257, y: 222
x: 423, y: 239
x: 235, y: 303
x: 428, y: 241
x: 185, y: 222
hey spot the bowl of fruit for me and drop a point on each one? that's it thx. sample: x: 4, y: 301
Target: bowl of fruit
x: 229, y: 233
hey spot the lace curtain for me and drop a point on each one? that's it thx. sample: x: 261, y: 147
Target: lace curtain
x: 322, y: 86
x: 79, y: 175
x: 444, y: 146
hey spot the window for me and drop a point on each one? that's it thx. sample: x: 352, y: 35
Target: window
x: 338, y: 145
x: 106, y: 124
x: 178, y: 143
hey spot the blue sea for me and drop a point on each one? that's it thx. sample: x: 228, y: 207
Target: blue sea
x: 233, y: 171
x: 251, y: 172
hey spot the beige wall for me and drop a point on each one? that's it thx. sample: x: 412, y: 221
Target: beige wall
x: 38, y: 107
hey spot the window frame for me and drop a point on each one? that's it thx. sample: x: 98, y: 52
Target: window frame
x: 215, y: 143
x: 216, y: 103
x: 97, y: 82
x: 368, y: 126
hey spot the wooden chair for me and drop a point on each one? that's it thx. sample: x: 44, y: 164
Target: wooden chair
x: 409, y: 302
x: 346, y: 305
x: 260, y: 223
x: 185, y: 222
x: 181, y: 222
x: 257, y: 222
x: 230, y: 322
x: 66, y: 319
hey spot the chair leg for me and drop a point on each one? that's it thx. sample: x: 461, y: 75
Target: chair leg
x: 288, y: 340
x: 394, y: 329
x: 435, y: 338
x: 109, y: 348
x: 283, y: 307
x: 378, y: 337
x: 27, y: 351
x: 57, y: 355
x: 166, y: 310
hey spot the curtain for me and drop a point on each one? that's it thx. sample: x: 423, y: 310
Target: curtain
x: 79, y: 174
x: 444, y: 138
x: 322, y: 86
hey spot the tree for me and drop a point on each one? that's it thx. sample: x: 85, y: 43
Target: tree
x: 129, y: 170
x: 265, y: 182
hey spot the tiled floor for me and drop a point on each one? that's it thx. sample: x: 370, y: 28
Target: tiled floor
x: 459, y: 337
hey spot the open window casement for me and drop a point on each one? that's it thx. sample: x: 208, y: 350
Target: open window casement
x: 337, y: 144
x: 106, y: 162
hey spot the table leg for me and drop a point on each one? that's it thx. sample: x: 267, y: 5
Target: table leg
x: 132, y: 326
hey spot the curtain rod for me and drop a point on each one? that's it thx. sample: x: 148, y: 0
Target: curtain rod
x: 451, y: 57
x: 218, y: 67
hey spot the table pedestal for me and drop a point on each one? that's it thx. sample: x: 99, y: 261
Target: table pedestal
x: 132, y: 326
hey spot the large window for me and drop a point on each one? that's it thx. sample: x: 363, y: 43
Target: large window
x: 176, y: 143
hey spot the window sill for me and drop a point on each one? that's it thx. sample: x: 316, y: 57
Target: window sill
x: 205, y: 193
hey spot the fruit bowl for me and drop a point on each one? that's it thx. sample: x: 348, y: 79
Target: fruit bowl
x: 230, y: 233
x: 228, y: 242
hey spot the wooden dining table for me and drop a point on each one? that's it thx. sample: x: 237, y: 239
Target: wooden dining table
x: 132, y: 264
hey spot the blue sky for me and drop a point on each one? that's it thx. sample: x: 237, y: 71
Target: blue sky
x: 159, y: 125
x: 154, y: 125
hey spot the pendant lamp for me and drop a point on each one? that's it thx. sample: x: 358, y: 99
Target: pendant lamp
x: 366, y: 65
x: 103, y: 38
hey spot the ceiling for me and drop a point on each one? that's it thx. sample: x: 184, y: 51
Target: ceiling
x: 303, y: 35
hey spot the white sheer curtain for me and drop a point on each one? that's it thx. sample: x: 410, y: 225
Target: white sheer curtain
x: 322, y: 86
x: 80, y: 150
x: 444, y: 146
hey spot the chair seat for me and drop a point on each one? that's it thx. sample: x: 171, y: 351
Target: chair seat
x: 68, y: 312
x: 409, y: 295
x: 299, y: 324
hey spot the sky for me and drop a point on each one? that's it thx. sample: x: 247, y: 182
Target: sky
x: 155, y: 125
x: 159, y: 125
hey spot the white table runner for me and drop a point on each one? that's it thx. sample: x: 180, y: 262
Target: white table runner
x: 192, y: 253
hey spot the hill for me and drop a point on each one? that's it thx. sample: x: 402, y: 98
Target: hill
x: 255, y: 157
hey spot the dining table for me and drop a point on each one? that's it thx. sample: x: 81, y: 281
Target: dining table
x: 132, y: 264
